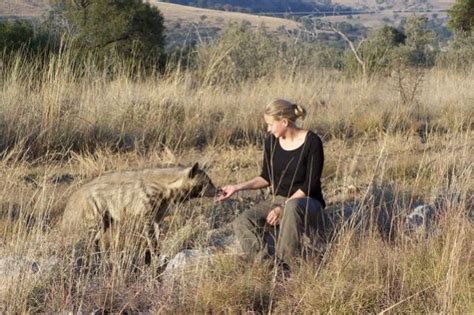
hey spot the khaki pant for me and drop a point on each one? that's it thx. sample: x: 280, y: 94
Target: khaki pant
x: 300, y: 216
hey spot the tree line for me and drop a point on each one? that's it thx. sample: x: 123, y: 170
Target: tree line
x: 134, y: 30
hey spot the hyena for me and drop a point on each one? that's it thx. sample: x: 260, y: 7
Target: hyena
x: 142, y: 196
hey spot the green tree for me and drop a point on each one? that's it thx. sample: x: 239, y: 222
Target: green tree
x: 462, y: 16
x: 25, y: 36
x: 239, y: 54
x: 376, y: 53
x: 128, y: 27
x: 460, y: 54
x: 421, y: 46
x: 15, y: 35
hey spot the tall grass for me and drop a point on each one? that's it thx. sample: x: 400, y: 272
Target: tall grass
x: 63, y: 111
x: 392, y: 154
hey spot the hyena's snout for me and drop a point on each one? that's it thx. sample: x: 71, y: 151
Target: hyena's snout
x: 203, y: 185
x: 210, y: 190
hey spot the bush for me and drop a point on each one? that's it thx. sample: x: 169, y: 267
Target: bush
x: 242, y: 53
x: 313, y: 55
x: 420, y: 48
x: 15, y: 35
x: 460, y: 54
x: 126, y: 28
x: 239, y: 54
x: 377, y: 51
x: 23, y: 35
x: 417, y: 47
x: 462, y: 16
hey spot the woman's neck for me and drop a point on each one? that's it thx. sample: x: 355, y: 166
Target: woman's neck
x: 294, y: 138
x: 292, y: 134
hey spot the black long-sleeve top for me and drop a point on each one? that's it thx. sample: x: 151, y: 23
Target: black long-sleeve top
x: 290, y: 170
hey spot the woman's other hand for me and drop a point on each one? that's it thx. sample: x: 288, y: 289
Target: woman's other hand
x: 275, y: 215
x: 226, y: 192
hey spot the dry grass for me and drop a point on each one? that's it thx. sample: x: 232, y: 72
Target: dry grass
x: 396, y: 155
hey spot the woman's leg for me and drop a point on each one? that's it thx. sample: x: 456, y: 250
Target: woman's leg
x: 249, y: 228
x: 302, y: 215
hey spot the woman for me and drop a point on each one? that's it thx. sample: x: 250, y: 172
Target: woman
x: 292, y: 165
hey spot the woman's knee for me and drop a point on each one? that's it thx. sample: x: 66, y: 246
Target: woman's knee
x: 295, y: 206
x: 243, y: 221
x: 292, y: 211
x: 238, y: 222
x: 302, y: 208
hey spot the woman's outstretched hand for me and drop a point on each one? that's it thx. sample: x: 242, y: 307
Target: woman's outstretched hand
x: 226, y: 192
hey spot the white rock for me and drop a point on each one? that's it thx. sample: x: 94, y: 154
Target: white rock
x: 188, y: 257
x: 420, y: 220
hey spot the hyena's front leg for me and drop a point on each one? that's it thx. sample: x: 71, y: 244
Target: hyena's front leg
x: 152, y: 241
x: 101, y: 242
x: 98, y: 238
x: 153, y: 229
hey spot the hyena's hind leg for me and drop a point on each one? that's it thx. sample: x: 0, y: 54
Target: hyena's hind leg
x: 97, y: 232
x: 88, y: 250
x: 95, y: 244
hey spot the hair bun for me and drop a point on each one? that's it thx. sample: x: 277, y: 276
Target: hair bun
x: 300, y: 112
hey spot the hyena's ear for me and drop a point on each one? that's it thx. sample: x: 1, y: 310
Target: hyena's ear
x: 192, y: 171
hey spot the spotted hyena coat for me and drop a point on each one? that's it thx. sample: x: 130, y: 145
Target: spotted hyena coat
x: 142, y: 196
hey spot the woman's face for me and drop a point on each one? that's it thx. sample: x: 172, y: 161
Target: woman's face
x: 276, y: 127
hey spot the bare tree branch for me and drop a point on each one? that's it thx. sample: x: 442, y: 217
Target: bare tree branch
x: 351, y: 45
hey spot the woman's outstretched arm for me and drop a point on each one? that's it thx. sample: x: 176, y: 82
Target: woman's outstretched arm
x: 255, y: 183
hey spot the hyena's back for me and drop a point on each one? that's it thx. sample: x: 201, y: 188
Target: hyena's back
x: 131, y: 195
x: 116, y: 195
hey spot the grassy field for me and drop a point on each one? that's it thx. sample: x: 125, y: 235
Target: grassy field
x: 381, y: 152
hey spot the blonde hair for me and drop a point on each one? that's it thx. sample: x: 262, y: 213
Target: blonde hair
x: 280, y: 109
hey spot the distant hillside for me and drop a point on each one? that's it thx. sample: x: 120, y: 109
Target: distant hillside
x: 186, y: 15
x: 384, y: 10
x: 372, y: 13
x: 396, y: 4
x: 189, y: 24
x: 186, y: 25
x: 23, y: 8
x: 315, y: 6
x: 174, y: 14
x: 258, y: 6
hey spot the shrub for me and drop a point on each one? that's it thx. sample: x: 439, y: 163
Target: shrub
x: 25, y: 36
x: 384, y: 47
x: 15, y: 35
x: 129, y: 28
x: 420, y: 47
x: 462, y: 15
x: 242, y: 53
x: 377, y: 52
x: 459, y: 55
x: 239, y: 54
